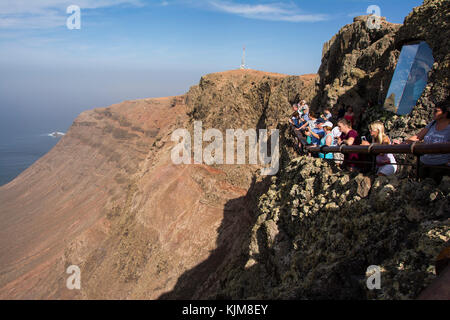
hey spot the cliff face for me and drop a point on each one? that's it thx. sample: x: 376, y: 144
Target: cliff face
x: 56, y: 213
x: 247, y: 99
x: 109, y: 199
x: 429, y: 22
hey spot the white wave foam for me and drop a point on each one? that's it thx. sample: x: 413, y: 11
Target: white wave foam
x: 56, y: 134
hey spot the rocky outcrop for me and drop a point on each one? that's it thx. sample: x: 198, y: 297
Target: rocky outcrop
x: 357, y: 65
x: 429, y: 22
x: 109, y: 199
x: 320, y: 229
x: 60, y: 211
x: 247, y: 98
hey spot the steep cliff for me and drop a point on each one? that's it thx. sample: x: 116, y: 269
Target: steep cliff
x: 109, y: 199
x: 429, y: 22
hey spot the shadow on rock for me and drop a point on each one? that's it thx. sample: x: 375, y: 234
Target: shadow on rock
x: 201, y: 282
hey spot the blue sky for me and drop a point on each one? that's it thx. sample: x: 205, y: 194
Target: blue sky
x: 130, y: 49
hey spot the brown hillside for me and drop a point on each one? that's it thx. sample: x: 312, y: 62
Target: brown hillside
x: 108, y: 199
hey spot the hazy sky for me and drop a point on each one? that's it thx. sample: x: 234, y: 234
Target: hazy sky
x: 130, y: 49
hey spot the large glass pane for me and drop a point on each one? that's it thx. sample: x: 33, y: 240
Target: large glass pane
x: 410, y: 78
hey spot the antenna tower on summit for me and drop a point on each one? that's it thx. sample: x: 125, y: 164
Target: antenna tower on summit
x: 243, y: 66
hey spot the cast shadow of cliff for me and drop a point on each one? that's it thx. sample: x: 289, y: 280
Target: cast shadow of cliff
x: 234, y: 231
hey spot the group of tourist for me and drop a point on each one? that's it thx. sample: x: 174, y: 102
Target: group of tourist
x: 326, y: 130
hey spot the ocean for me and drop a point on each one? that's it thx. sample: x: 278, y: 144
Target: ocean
x: 19, y: 152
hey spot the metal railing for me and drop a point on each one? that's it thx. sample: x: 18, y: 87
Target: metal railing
x: 416, y: 149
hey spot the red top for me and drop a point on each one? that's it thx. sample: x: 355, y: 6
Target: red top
x: 350, y: 119
x: 352, y: 156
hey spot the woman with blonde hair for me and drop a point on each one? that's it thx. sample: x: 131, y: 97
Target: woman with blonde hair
x: 386, y: 163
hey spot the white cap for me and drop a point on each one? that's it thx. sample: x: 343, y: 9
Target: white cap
x: 336, y: 132
x: 328, y: 124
